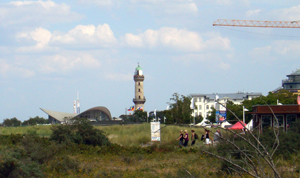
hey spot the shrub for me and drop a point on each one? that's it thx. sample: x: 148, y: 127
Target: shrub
x: 81, y: 132
x: 64, y: 164
x: 15, y: 163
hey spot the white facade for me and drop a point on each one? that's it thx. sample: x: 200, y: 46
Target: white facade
x: 204, y: 102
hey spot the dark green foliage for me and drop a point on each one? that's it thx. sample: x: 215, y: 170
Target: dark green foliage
x: 212, y: 115
x: 10, y: 139
x: 289, y: 143
x: 238, y: 111
x: 63, y: 164
x: 198, y: 119
x: 23, y: 157
x: 36, y: 120
x: 180, y: 111
x: 140, y: 116
x: 81, y: 132
x: 62, y: 133
x: 11, y: 122
x: 283, y: 96
x: 15, y: 164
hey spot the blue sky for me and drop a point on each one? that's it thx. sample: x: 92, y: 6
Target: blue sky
x: 49, y: 50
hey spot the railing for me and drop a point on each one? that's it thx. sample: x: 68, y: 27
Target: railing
x: 289, y: 81
x: 138, y: 77
x: 139, y: 100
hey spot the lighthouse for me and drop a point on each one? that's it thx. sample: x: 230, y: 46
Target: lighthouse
x: 139, y: 99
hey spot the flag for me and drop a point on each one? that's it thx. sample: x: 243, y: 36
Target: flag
x: 154, y: 112
x: 139, y: 108
x: 192, y: 104
x: 131, y: 108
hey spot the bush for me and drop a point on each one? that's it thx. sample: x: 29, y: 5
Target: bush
x: 81, y: 132
x: 15, y: 163
x: 64, y: 164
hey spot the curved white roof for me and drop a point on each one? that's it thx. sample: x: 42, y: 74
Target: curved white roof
x: 60, y: 116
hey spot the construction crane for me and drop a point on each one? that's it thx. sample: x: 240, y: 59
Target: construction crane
x: 257, y: 23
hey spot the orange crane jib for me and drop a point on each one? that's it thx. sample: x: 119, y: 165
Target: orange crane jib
x: 257, y: 23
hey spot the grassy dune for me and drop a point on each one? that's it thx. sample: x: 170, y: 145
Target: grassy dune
x: 42, y: 130
x: 127, y: 135
x: 163, y: 159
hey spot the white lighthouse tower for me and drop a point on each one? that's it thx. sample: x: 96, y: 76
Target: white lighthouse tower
x: 139, y: 99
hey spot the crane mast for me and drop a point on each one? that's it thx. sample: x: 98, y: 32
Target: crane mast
x: 257, y: 23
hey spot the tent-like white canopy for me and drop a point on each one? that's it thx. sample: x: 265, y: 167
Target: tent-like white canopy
x: 203, y: 123
x: 225, y: 124
x: 249, y: 126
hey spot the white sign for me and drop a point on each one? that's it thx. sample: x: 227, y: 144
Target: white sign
x: 155, y: 131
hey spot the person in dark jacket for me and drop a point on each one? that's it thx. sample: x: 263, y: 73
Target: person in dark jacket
x: 180, y: 138
x: 186, y: 138
x: 193, y: 138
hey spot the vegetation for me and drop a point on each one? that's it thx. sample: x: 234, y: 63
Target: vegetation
x: 180, y: 111
x: 131, y: 154
x: 31, y: 121
x: 80, y: 132
x: 282, y: 96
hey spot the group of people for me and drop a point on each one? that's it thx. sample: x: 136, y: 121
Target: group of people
x: 184, y: 137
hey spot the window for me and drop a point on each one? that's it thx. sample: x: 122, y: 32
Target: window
x: 279, y: 121
x: 266, y: 121
x: 139, y: 90
x: 199, y: 106
x: 207, y: 106
x: 290, y: 118
x: 199, y: 99
x: 139, y: 97
x: 139, y: 84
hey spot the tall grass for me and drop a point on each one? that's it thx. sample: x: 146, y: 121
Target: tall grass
x: 42, y: 130
x: 136, y: 135
x: 125, y: 135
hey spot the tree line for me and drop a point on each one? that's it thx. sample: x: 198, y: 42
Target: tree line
x: 31, y: 121
x: 179, y: 111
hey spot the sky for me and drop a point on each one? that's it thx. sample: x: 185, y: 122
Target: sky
x: 50, y: 50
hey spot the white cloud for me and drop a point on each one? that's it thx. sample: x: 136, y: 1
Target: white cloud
x: 179, y: 39
x: 288, y: 14
x: 230, y: 2
x: 81, y: 36
x: 251, y: 13
x: 287, y: 47
x: 119, y: 77
x: 36, y: 13
x: 89, y: 34
x: 40, y: 36
x: 62, y: 63
x: 14, y: 70
x: 166, y: 6
x: 100, y: 2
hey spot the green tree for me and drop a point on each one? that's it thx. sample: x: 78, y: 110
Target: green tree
x: 198, y: 119
x: 80, y: 132
x: 12, y: 122
x: 140, y: 115
x: 237, y: 109
x: 283, y: 97
x: 35, y: 120
x: 180, y: 111
x: 212, y: 115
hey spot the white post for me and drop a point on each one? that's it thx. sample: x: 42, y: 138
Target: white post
x: 244, y: 114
